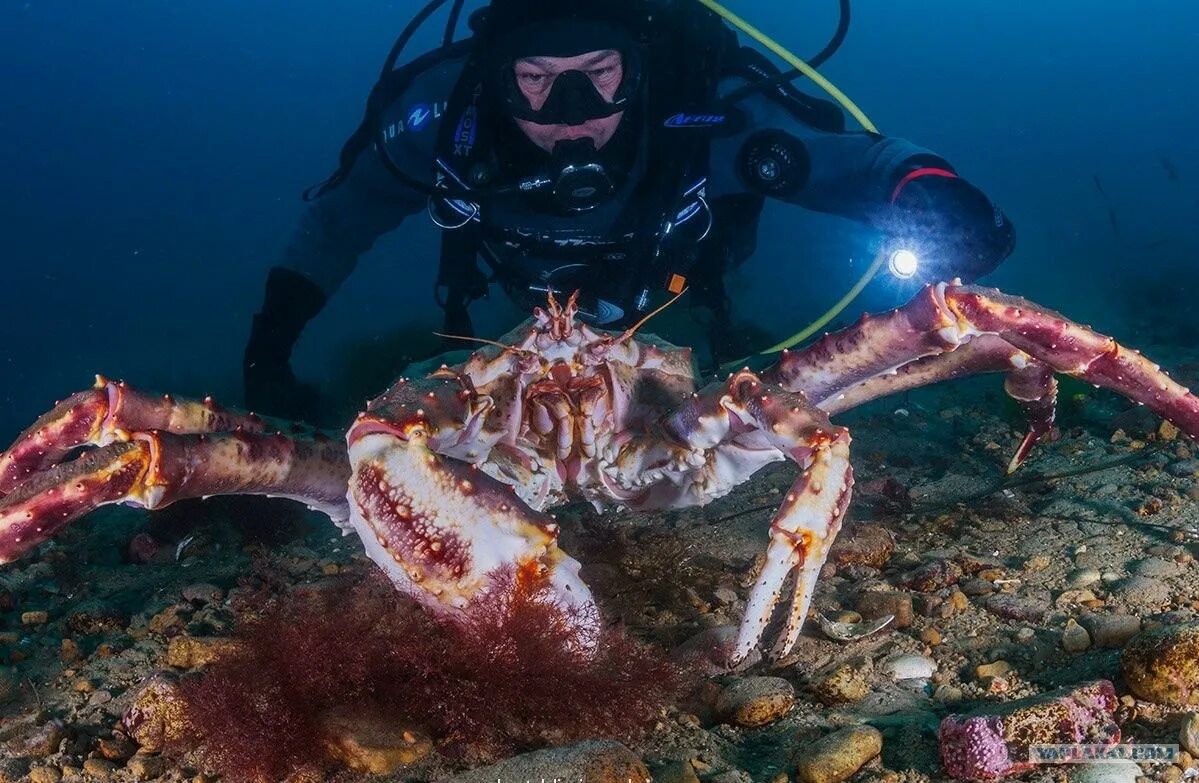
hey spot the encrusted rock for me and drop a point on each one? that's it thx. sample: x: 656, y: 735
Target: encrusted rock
x: 190, y: 652
x: 931, y: 576
x: 1011, y: 607
x: 842, y: 682
x: 42, y: 774
x: 992, y: 742
x: 709, y: 651
x: 1162, y: 665
x: 595, y: 761
x: 755, y: 701
x: 374, y: 744
x: 1143, y: 592
x: 676, y: 772
x: 837, y: 756
x: 156, y: 717
x: 1111, y: 630
x: 145, y: 767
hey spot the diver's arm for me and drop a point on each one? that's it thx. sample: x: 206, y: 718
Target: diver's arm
x: 322, y: 252
x: 909, y: 192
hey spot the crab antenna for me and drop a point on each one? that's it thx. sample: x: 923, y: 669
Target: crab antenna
x: 477, y: 340
x: 633, y: 329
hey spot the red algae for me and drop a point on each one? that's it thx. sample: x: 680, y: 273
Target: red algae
x: 512, y: 678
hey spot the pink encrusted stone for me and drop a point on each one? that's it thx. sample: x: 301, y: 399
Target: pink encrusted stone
x: 992, y: 742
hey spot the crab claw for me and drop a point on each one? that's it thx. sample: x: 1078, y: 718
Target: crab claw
x: 800, y: 536
x: 442, y: 529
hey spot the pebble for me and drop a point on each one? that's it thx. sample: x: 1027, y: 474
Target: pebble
x: 1162, y: 665
x: 838, y: 756
x: 931, y: 576
x: 905, y: 666
x: 1074, y: 637
x: 43, y: 741
x: 676, y: 772
x: 373, y: 744
x: 44, y: 775
x: 146, y: 767
x: 869, y: 545
x: 1011, y: 607
x: 34, y: 618
x: 1111, y: 630
x: 930, y: 636
x: 1114, y: 771
x: 100, y: 769
x: 709, y: 651
x: 1155, y: 567
x: 874, y: 604
x: 595, y: 761
x: 202, y: 593
x: 190, y: 652
x: 841, y: 683
x: 755, y: 701
x: 1142, y: 592
x: 1082, y: 577
x: 1188, y: 733
x: 998, y: 668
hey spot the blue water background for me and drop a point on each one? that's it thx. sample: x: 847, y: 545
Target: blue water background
x: 153, y: 154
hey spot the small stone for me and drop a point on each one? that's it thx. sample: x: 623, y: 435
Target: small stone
x: 930, y: 636
x: 1143, y: 592
x: 875, y: 604
x: 146, y: 767
x: 1037, y: 563
x: 372, y: 743
x: 116, y: 748
x: 190, y: 652
x: 998, y: 668
x: 41, y: 774
x: 676, y: 772
x: 841, y: 682
x: 845, y: 616
x: 595, y: 761
x: 1155, y: 567
x: 862, y: 544
x: 69, y: 652
x: 35, y: 618
x: 1111, y: 630
x: 43, y: 741
x: 931, y: 576
x: 202, y: 593
x: 710, y: 649
x: 755, y: 701
x: 1082, y: 577
x: 838, y: 756
x: 1074, y: 637
x: 1162, y: 665
x: 1112, y: 771
x: 977, y: 587
x: 905, y: 666
x: 1167, y: 431
x: 1188, y: 733
x: 1011, y: 607
x: 100, y: 769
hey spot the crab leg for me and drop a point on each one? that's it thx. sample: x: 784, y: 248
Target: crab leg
x: 106, y: 414
x: 153, y: 469
x: 947, y: 317
x: 1029, y: 382
x: 745, y: 414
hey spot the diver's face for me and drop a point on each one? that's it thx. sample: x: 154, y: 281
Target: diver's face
x: 535, y: 76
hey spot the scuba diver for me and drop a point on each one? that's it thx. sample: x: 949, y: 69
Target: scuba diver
x: 622, y: 148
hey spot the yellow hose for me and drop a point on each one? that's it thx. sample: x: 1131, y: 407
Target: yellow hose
x: 793, y: 61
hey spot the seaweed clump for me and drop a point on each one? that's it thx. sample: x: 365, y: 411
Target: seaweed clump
x: 511, y: 679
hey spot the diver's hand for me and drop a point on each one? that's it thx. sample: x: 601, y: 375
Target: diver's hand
x: 954, y: 229
x: 272, y: 389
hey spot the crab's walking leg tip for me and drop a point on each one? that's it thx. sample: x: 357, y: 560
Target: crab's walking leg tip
x: 1022, y: 452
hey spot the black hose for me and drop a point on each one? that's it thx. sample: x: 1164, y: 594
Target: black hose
x: 451, y: 24
x: 409, y: 31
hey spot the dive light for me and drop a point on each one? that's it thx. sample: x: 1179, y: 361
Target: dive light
x: 903, y: 263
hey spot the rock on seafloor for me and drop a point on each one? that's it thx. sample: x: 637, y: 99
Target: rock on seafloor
x: 837, y: 756
x: 595, y: 761
x: 755, y: 701
x: 1162, y: 665
x: 992, y: 742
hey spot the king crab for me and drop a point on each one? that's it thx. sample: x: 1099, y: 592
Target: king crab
x: 447, y: 478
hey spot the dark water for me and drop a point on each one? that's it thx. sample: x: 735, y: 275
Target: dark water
x: 153, y: 155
